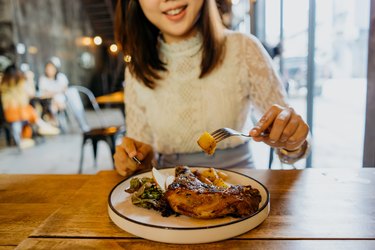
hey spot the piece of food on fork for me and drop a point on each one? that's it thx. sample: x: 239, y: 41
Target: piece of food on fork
x: 207, y: 142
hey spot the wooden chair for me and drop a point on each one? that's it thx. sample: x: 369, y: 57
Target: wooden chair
x: 105, y: 133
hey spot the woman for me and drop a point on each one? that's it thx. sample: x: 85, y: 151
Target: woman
x: 16, y: 90
x: 186, y: 75
x: 52, y: 87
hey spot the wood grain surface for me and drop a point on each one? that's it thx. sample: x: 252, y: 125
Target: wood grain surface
x: 27, y: 200
x: 139, y: 244
x: 310, y: 209
x: 305, y: 204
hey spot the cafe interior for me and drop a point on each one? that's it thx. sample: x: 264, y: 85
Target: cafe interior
x: 59, y: 188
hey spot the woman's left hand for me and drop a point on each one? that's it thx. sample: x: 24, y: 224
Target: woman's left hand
x: 283, y: 127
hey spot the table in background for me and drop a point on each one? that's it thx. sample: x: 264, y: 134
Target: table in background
x: 310, y: 209
x: 115, y: 99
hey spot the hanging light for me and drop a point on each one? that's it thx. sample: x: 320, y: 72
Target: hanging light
x: 98, y: 40
x: 21, y: 48
x: 127, y: 58
x: 113, y: 48
x: 86, y: 41
x: 33, y: 50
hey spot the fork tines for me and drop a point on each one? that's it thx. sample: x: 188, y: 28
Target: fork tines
x: 220, y: 134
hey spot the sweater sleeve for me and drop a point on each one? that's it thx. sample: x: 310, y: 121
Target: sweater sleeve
x: 137, y: 126
x: 266, y: 87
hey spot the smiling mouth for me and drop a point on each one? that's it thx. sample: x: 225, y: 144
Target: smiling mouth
x: 174, y: 12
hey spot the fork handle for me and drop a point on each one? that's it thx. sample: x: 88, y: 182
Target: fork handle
x: 263, y: 134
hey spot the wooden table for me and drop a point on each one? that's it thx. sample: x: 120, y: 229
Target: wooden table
x: 27, y: 200
x: 115, y: 99
x: 310, y: 209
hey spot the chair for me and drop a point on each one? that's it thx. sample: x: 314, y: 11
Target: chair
x: 61, y: 117
x: 105, y: 133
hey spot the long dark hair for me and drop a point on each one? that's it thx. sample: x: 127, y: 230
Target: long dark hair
x: 137, y: 37
x: 12, y: 76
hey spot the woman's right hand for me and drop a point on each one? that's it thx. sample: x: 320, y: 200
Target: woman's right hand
x: 129, y: 148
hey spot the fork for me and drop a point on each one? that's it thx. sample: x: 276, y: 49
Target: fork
x: 137, y: 160
x: 154, y: 163
x: 223, y: 133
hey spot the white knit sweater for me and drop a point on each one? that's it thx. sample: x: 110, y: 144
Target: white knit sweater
x: 172, y: 116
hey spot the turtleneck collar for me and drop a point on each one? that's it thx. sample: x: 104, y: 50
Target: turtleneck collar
x: 188, y: 47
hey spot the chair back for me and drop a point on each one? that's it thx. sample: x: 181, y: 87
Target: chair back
x: 75, y: 103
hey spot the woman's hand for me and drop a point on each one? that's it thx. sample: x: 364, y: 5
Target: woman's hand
x: 285, y: 127
x: 129, y: 148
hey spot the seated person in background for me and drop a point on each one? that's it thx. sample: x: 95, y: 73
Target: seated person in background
x: 16, y: 90
x: 52, y: 85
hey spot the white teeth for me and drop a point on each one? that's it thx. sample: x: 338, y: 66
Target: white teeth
x: 175, y: 11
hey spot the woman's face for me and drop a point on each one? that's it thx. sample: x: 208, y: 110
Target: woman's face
x: 50, y: 70
x: 175, y: 19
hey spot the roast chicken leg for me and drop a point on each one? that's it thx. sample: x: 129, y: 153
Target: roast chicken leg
x: 189, y: 196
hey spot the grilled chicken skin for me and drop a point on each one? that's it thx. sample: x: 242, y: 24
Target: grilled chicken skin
x: 189, y: 196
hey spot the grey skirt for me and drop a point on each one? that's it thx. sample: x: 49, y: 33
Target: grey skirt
x: 239, y: 156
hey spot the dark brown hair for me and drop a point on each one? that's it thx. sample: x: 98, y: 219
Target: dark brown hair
x: 137, y: 37
x: 12, y: 76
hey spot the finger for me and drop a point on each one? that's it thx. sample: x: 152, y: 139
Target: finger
x: 120, y: 171
x: 297, y: 139
x: 266, y: 120
x: 258, y: 138
x: 125, y: 168
x: 129, y: 146
x: 119, y: 160
x: 143, y: 151
x: 120, y: 154
x: 290, y: 128
x: 279, y: 124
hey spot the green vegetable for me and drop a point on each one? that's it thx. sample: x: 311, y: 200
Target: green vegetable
x: 146, y: 193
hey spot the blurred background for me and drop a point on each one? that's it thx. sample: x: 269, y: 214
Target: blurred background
x: 320, y: 47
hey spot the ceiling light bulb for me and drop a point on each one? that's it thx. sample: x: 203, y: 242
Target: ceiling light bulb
x: 98, y: 40
x: 113, y: 48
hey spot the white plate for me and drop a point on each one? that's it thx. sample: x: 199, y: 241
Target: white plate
x: 149, y: 224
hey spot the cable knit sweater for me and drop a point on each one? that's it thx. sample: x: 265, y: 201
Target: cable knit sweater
x: 172, y: 116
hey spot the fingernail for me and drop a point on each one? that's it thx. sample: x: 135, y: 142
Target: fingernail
x: 140, y: 156
x: 272, y: 141
x: 132, y: 154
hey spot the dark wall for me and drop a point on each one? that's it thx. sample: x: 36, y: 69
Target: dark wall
x: 49, y: 28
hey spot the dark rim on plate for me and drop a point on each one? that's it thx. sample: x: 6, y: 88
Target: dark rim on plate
x: 189, y: 228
